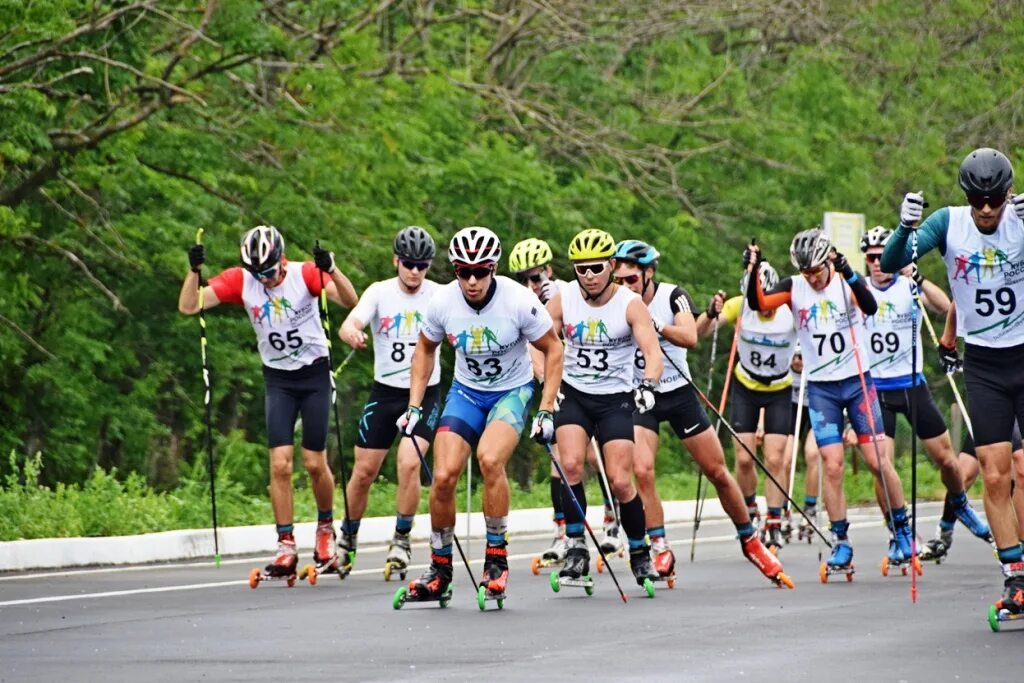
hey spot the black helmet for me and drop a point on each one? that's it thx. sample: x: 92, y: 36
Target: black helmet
x: 262, y: 248
x: 986, y: 171
x: 414, y: 243
x: 809, y: 249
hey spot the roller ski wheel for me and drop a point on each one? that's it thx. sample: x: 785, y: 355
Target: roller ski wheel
x: 904, y: 566
x: 313, y: 571
x: 403, y: 595
x: 537, y: 563
x: 584, y: 582
x: 997, y: 616
x: 258, y: 576
x: 391, y: 568
x: 826, y: 570
x: 399, y: 556
x: 600, y: 559
x: 483, y: 595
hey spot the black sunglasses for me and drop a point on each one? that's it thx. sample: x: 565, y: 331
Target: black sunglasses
x: 872, y: 258
x: 268, y: 274
x: 627, y: 279
x: 467, y: 272
x: 978, y: 201
x: 534, y: 277
x: 415, y: 265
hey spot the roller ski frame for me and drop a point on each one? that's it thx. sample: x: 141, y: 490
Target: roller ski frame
x: 904, y: 566
x: 930, y: 551
x: 1001, y: 616
x: 537, y: 563
x: 393, y: 565
x: 997, y: 614
x: 483, y: 596
x: 780, y: 579
x: 402, y: 596
x: 586, y: 582
x: 258, y: 576
x: 826, y: 570
x: 313, y: 571
x: 621, y: 553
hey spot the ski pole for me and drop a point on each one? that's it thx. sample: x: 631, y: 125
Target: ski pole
x: 604, y: 480
x: 208, y: 401
x: 430, y: 480
x: 579, y: 509
x: 952, y: 383
x: 325, y: 318
x: 913, y: 421
x: 757, y: 461
x: 344, y: 362
x: 698, y: 504
x: 796, y: 434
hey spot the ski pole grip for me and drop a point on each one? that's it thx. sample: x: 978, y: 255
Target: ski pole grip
x: 199, y: 236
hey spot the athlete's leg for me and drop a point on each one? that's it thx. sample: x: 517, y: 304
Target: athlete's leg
x: 834, y: 463
x: 496, y: 445
x: 775, y: 461
x: 1018, y: 491
x: 321, y: 478
x: 281, y: 483
x: 812, y: 457
x: 707, y: 452
x: 644, y: 450
x: 451, y: 452
x: 746, y: 472
x: 995, y: 460
x: 407, y: 498
x: 364, y: 473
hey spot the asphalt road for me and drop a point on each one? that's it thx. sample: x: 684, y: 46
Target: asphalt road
x: 723, y: 621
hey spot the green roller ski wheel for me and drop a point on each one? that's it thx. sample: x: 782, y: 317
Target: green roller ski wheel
x: 993, y: 618
x: 445, y: 598
x: 649, y: 587
x: 399, y: 598
x: 554, y: 581
x: 481, y: 598
x: 589, y: 590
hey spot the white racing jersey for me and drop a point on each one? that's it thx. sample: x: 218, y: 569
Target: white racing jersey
x: 986, y: 278
x: 823, y: 321
x: 765, y: 349
x: 395, y: 318
x: 890, y: 335
x: 600, y: 349
x: 666, y: 302
x: 490, y: 343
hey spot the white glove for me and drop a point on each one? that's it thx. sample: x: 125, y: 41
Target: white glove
x: 912, y: 209
x: 643, y: 396
x: 559, y: 397
x: 658, y: 325
x: 543, y: 429
x: 409, y: 419
x: 547, y: 291
x: 1018, y: 205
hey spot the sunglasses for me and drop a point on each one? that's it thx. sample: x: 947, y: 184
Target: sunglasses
x: 814, y: 272
x: 627, y: 279
x: 268, y: 274
x: 590, y: 268
x: 467, y: 272
x: 979, y: 201
x: 415, y: 265
x: 535, y: 277
x: 872, y: 258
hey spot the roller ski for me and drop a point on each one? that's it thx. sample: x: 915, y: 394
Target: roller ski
x: 900, y: 554
x: 787, y: 527
x: 936, y: 549
x: 769, y: 565
x: 325, y: 558
x: 643, y: 569
x: 773, y: 534
x: 434, y: 585
x: 553, y: 556
x: 839, y: 562
x: 610, y: 543
x: 281, y: 568
x: 1011, y: 606
x: 805, y: 530
x: 495, y: 579
x: 346, y: 554
x: 664, y: 562
x: 399, y: 557
x: 576, y: 572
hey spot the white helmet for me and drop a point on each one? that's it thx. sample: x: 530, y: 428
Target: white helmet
x: 767, y: 276
x: 262, y: 248
x: 875, y: 237
x: 473, y: 246
x: 809, y: 249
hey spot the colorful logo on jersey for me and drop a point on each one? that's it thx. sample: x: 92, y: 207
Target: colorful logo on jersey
x: 404, y: 323
x: 274, y: 310
x: 982, y: 264
x: 477, y: 339
x: 589, y: 331
x: 765, y: 340
x: 817, y: 314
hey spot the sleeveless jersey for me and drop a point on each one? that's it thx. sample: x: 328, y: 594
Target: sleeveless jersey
x: 286, y: 319
x: 986, y: 278
x: 600, y: 349
x: 764, y: 349
x: 824, y: 329
x: 663, y: 308
x: 395, y: 319
x: 889, y: 338
x: 490, y: 343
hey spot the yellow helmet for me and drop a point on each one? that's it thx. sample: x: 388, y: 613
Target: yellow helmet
x: 591, y: 244
x: 528, y: 254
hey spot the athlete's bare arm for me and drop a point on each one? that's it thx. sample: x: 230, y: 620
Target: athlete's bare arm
x: 188, y: 299
x: 639, y: 319
x: 422, y: 367
x: 550, y: 346
x: 934, y: 298
x: 683, y: 330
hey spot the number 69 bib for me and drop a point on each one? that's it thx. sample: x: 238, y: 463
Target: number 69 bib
x: 600, y: 349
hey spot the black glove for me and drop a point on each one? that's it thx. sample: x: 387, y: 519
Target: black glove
x: 196, y: 257
x: 842, y: 266
x: 713, y: 310
x: 752, y: 255
x: 949, y: 359
x: 323, y: 259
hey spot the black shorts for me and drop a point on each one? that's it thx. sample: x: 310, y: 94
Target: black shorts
x: 746, y: 405
x: 967, y: 443
x: 929, y: 420
x: 680, y: 408
x: 606, y: 417
x: 995, y: 391
x: 805, y: 419
x: 289, y: 393
x: 384, y: 405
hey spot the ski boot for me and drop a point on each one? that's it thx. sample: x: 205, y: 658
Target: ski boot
x: 495, y: 578
x: 839, y: 562
x: 433, y: 586
x: 553, y: 556
x: 769, y: 565
x: 901, y: 555
x: 970, y: 519
x: 576, y: 571
x: 664, y: 561
x: 346, y: 553
x: 805, y: 530
x: 1011, y: 606
x: 937, y: 548
x: 610, y: 543
x: 281, y: 568
x: 399, y: 556
x: 787, y: 526
x: 642, y: 568
x: 325, y: 557
x: 755, y: 519
x: 773, y: 534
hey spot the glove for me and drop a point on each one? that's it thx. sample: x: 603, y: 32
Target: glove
x: 643, y: 396
x: 196, y: 257
x: 1018, y: 205
x: 559, y: 397
x: 409, y: 419
x: 715, y: 305
x: 842, y: 265
x: 547, y: 291
x: 658, y: 325
x: 543, y: 429
x: 949, y: 359
x: 912, y: 209
x: 323, y: 259
x: 752, y: 256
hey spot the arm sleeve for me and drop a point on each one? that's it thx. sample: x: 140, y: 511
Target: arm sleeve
x: 777, y: 296
x: 228, y: 286
x: 931, y: 234
x: 366, y: 309
x: 311, y: 276
x: 682, y: 302
x: 731, y: 309
x: 862, y: 296
x: 534, y: 319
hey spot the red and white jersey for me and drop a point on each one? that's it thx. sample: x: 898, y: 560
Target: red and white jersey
x: 286, y: 318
